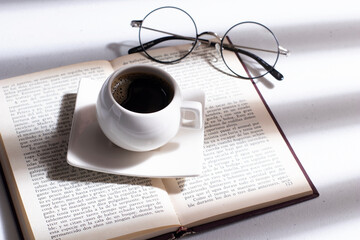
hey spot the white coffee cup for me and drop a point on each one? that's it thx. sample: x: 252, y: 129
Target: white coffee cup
x: 140, y: 131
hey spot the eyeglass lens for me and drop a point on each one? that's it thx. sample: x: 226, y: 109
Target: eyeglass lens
x: 257, y: 49
x: 162, y: 26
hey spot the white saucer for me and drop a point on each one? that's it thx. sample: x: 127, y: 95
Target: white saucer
x: 90, y: 149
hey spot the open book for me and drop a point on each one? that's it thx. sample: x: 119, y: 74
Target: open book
x: 249, y: 166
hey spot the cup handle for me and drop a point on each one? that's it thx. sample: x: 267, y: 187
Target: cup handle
x: 191, y: 114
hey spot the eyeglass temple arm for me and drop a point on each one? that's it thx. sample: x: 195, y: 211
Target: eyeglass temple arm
x: 173, y: 36
x: 152, y: 43
x: 138, y: 23
x: 277, y: 75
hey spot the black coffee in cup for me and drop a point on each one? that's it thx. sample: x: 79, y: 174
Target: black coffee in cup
x: 142, y: 92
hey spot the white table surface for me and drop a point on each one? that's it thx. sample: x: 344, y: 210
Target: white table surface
x: 317, y: 104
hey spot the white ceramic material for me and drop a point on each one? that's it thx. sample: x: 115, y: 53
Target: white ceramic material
x: 90, y: 149
x: 145, y: 131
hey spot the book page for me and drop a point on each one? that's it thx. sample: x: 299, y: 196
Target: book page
x: 55, y: 200
x: 247, y: 163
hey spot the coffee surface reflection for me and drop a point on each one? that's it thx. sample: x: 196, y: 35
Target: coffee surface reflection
x: 142, y: 92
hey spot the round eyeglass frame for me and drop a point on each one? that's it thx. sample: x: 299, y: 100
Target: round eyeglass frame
x: 176, y: 60
x: 246, y: 70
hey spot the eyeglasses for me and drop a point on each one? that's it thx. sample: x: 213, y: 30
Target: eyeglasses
x: 254, y: 44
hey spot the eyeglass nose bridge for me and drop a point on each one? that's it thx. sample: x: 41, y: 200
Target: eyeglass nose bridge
x: 210, y: 42
x: 211, y: 34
